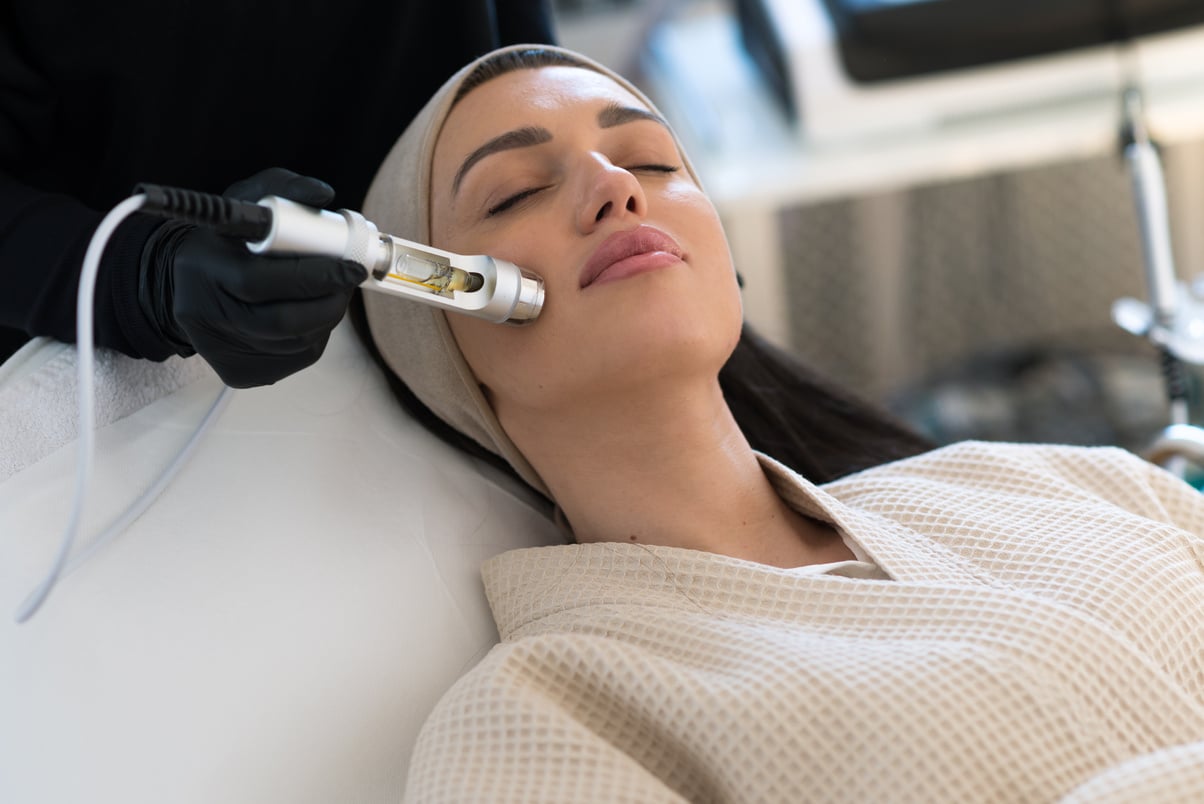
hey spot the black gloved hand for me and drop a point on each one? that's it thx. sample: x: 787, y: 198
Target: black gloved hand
x: 255, y: 319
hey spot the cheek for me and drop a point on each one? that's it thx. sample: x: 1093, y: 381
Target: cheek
x: 509, y: 361
x: 710, y: 252
x: 482, y: 344
x: 715, y: 290
x: 692, y: 215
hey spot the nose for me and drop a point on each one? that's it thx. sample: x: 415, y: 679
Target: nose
x: 610, y: 192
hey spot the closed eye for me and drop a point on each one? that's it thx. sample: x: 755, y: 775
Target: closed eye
x: 523, y: 195
x: 507, y: 203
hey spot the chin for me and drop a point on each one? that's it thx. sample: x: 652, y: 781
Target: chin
x: 685, y: 343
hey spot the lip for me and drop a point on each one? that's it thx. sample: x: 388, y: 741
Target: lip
x: 635, y: 251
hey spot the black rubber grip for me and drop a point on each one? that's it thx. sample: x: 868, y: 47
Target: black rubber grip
x: 242, y: 219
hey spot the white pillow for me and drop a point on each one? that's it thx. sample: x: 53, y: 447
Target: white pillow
x: 277, y: 626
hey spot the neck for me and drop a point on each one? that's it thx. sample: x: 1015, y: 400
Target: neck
x: 671, y: 469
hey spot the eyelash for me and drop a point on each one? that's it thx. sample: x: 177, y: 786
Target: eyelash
x: 512, y: 200
x: 507, y: 203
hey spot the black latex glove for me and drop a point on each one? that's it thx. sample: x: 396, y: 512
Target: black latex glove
x: 255, y: 319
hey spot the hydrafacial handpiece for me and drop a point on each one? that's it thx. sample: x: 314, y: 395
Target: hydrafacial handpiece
x: 475, y: 285
x: 480, y: 286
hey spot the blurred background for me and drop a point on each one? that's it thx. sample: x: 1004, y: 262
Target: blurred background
x: 928, y: 199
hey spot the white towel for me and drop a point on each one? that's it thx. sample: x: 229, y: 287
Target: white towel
x: 39, y: 401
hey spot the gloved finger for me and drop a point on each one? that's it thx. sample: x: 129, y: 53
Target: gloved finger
x: 265, y: 369
x: 268, y: 279
x: 297, y: 319
x: 272, y: 326
x: 230, y: 342
x: 284, y: 183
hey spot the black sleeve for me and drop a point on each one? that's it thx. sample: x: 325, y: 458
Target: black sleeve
x: 43, y: 237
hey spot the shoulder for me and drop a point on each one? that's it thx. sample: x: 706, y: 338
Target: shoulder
x: 970, y: 461
x: 1051, y: 471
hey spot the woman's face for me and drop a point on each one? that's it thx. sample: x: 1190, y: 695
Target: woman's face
x: 563, y: 172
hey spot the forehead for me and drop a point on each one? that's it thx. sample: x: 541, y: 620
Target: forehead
x: 526, y: 97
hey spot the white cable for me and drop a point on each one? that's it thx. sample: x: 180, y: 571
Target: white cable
x: 139, y: 506
x: 87, y: 435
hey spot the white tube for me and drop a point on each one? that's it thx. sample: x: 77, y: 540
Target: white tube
x: 1149, y: 189
x: 86, y: 438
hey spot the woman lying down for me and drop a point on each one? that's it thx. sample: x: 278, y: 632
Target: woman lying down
x: 773, y: 594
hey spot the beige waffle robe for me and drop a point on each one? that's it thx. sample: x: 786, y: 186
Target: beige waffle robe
x: 1026, y: 623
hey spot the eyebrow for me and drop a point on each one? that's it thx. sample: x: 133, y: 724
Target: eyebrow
x: 613, y: 114
x: 518, y: 138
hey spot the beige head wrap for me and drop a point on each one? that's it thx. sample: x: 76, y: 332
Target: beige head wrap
x: 415, y: 339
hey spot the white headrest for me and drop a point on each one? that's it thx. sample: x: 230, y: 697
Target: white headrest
x: 278, y: 625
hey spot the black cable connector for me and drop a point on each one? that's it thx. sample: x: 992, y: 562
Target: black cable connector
x: 245, y: 220
x: 1173, y: 375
